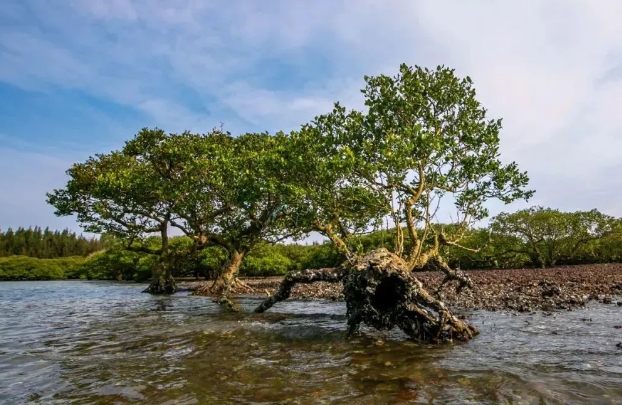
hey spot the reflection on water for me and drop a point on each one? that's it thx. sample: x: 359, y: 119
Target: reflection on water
x: 106, y: 343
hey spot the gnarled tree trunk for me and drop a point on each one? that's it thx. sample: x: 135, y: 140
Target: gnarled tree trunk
x: 381, y: 291
x: 227, y: 280
x: 162, y: 281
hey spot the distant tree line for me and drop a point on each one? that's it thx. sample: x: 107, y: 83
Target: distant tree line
x: 47, y: 244
x: 264, y: 260
x: 534, y: 237
x: 542, y: 237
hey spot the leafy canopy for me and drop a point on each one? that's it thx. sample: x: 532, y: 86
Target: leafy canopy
x: 423, y: 137
x: 237, y: 194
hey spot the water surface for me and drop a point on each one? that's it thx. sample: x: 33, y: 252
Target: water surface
x: 106, y: 343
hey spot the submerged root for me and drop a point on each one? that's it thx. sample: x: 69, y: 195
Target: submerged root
x: 227, y: 303
x: 161, y: 286
x: 224, y: 288
x: 381, y: 291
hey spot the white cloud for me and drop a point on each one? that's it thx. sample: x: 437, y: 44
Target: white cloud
x: 551, y: 68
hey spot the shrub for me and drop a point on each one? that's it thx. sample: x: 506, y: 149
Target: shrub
x: 30, y: 268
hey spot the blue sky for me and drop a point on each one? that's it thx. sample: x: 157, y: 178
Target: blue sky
x: 79, y: 77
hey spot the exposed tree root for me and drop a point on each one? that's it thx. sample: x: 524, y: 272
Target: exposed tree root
x: 227, y: 282
x: 239, y: 285
x: 227, y: 303
x: 222, y: 287
x: 303, y: 277
x: 381, y: 291
x: 161, y: 285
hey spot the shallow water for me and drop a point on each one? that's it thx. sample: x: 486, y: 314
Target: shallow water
x: 106, y: 343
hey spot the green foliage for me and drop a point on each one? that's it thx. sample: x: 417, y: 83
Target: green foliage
x: 103, y: 195
x: 209, y: 262
x: 266, y: 261
x: 607, y: 249
x: 424, y: 136
x: 236, y: 195
x: 30, y: 268
x: 561, y: 238
x: 315, y: 256
x: 116, y: 263
x: 581, y: 237
x: 221, y: 191
x: 329, y: 195
x: 548, y: 236
x: 134, y: 193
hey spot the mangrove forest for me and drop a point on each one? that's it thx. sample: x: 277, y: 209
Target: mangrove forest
x: 395, y: 188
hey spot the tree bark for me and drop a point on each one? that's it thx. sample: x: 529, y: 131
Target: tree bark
x: 227, y: 280
x: 162, y: 281
x: 330, y: 233
x: 381, y: 291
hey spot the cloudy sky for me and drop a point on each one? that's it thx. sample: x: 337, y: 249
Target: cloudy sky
x: 79, y: 77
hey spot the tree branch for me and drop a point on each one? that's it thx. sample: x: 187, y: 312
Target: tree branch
x: 444, y: 241
x: 327, y: 230
x: 296, y: 277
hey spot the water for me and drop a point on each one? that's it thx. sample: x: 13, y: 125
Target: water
x: 106, y: 343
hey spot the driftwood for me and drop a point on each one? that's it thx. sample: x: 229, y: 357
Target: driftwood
x: 381, y: 291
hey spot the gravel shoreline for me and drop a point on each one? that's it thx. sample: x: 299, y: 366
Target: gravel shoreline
x: 522, y: 290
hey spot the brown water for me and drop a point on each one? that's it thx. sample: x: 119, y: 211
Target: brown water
x: 105, y: 343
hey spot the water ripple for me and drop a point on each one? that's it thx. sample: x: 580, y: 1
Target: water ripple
x: 105, y: 343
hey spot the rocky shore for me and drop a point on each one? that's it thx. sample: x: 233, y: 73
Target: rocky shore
x: 522, y: 290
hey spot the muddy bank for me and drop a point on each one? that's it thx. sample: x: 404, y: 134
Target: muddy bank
x: 523, y: 290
